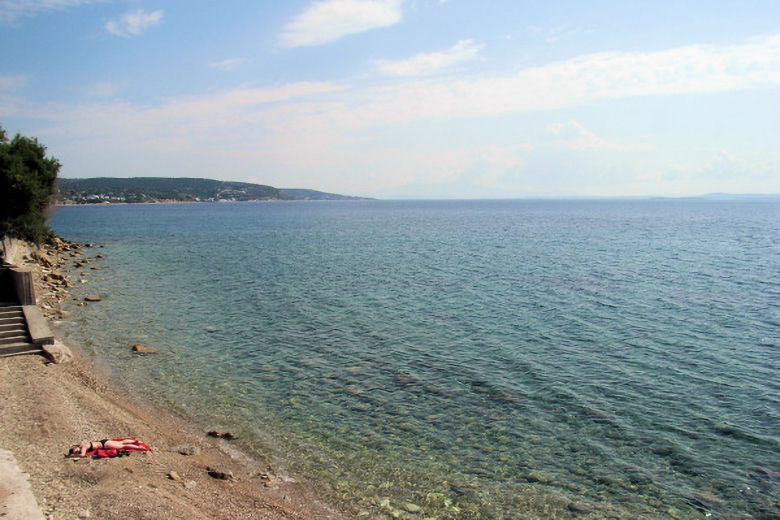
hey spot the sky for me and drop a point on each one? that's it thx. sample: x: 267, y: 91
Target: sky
x: 404, y: 98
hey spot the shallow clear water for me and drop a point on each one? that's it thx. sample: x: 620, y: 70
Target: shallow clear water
x: 478, y: 359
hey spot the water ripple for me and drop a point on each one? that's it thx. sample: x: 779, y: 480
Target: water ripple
x: 505, y: 359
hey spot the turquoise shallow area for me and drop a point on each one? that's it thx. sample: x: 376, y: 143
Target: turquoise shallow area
x: 469, y: 359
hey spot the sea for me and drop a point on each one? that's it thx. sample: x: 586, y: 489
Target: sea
x: 501, y: 359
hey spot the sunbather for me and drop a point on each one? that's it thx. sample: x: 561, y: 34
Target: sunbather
x: 107, y: 447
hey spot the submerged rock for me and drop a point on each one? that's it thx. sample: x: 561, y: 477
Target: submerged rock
x: 538, y: 476
x: 141, y: 349
x: 579, y: 507
x: 92, y: 298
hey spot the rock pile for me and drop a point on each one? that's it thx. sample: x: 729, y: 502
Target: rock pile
x: 48, y: 263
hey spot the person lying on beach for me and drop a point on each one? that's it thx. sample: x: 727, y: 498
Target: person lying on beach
x: 107, y: 448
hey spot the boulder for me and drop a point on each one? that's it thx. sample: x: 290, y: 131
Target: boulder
x: 92, y: 298
x: 57, y: 352
x: 42, y: 259
x: 55, y: 275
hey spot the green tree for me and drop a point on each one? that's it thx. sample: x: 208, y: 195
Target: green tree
x: 27, y: 184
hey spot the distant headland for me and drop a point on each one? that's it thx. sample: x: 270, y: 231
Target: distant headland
x: 107, y: 190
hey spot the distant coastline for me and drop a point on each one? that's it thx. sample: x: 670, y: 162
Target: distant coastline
x: 167, y: 190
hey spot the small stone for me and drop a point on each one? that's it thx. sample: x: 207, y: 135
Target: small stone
x: 221, y: 435
x: 141, y: 349
x: 268, y: 479
x: 85, y: 514
x: 174, y: 476
x: 412, y: 508
x: 220, y: 475
x: 186, y: 449
x: 92, y: 298
x: 190, y: 484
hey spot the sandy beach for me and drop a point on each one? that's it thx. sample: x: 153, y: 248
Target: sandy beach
x: 46, y: 407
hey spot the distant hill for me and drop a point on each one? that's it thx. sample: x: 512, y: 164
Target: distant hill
x: 164, y: 189
x: 317, y: 195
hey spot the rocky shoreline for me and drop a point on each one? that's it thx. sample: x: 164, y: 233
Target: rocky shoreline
x: 190, y: 473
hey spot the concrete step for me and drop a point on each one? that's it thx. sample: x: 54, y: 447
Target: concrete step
x: 11, y: 323
x: 12, y: 333
x: 11, y: 317
x: 16, y: 338
x: 16, y: 349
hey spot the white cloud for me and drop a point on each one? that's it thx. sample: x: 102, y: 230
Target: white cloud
x: 573, y: 135
x: 329, y: 20
x: 553, y: 34
x: 428, y: 63
x: 103, y: 89
x: 584, y: 79
x: 12, y: 82
x: 11, y: 10
x: 134, y: 22
x: 304, y: 131
x: 227, y: 65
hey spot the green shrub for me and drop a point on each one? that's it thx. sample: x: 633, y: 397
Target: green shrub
x: 27, y: 185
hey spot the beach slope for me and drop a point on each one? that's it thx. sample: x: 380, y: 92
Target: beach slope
x: 47, y: 407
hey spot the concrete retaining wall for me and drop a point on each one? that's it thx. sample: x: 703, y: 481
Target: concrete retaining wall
x: 22, y: 281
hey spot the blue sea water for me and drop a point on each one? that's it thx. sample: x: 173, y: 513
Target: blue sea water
x: 461, y: 359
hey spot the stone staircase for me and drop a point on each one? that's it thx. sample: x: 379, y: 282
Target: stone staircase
x: 14, y: 338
